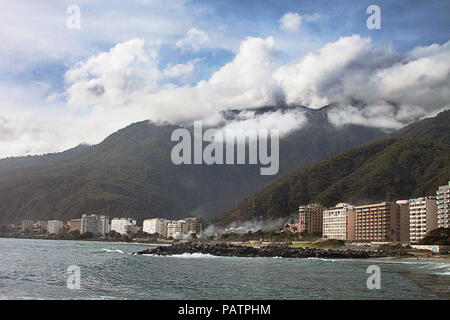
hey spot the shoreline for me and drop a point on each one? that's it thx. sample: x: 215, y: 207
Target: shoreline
x: 282, y: 251
x: 332, y: 253
x: 415, y: 258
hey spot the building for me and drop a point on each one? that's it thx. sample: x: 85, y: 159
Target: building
x: 422, y: 217
x: 54, y: 226
x: 377, y: 222
x: 170, y: 228
x: 42, y: 225
x: 443, y: 204
x: 104, y: 225
x: 75, y: 224
x: 339, y: 222
x: 123, y: 225
x: 180, y: 227
x: 194, y: 225
x: 94, y: 224
x: 27, y: 225
x: 310, y: 218
x: 156, y: 225
x: 403, y: 223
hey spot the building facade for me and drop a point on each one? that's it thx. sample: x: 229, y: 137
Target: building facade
x: 123, y: 225
x: 310, y: 218
x: 443, y: 206
x: 403, y: 223
x: 377, y: 222
x: 94, y: 224
x: 42, y: 225
x: 156, y: 225
x: 422, y: 217
x: 339, y: 222
x: 194, y: 225
x: 180, y: 227
x: 54, y: 226
x: 27, y: 225
x: 75, y: 224
x: 170, y: 228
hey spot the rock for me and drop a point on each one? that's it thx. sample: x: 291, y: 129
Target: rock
x: 224, y: 249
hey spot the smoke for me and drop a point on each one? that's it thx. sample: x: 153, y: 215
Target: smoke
x: 246, y: 226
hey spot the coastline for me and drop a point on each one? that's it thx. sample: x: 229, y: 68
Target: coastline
x: 416, y: 258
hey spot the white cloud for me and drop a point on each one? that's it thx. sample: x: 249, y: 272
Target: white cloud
x: 194, y: 40
x: 125, y: 84
x: 110, y: 78
x: 290, y: 21
x: 285, y: 121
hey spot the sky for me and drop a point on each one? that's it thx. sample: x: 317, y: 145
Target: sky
x: 66, y: 81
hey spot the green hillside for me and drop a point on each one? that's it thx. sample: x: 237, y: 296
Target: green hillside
x: 130, y: 174
x: 435, y: 129
x: 388, y: 169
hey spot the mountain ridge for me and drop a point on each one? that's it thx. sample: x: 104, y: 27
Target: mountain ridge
x: 397, y: 167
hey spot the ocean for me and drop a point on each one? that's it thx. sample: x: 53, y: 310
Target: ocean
x: 38, y: 269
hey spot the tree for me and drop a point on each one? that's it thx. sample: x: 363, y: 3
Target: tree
x: 439, y: 236
x: 87, y: 235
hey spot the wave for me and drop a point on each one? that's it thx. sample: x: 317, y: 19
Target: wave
x: 104, y: 250
x: 185, y: 255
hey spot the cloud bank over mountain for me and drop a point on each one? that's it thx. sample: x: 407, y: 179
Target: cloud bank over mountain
x: 393, y: 89
x: 368, y: 84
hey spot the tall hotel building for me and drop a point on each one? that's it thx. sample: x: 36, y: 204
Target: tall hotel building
x: 310, y: 218
x: 123, y: 225
x: 54, y: 226
x: 94, y: 224
x: 152, y: 226
x: 194, y: 225
x: 443, y: 206
x: 377, y: 222
x: 339, y: 222
x: 422, y: 217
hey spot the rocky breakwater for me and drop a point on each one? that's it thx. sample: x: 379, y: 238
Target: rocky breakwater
x: 230, y: 250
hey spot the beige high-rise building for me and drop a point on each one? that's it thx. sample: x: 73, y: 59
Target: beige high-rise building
x: 443, y: 206
x: 170, y: 228
x: 54, y: 226
x: 310, y: 218
x: 339, y: 222
x: 422, y: 217
x: 42, y: 225
x: 403, y: 221
x: 194, y: 225
x: 155, y: 225
x: 377, y: 222
x: 75, y: 224
x: 180, y: 227
x: 27, y: 225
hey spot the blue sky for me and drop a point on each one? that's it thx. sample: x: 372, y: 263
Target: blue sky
x: 185, y: 44
x: 405, y: 24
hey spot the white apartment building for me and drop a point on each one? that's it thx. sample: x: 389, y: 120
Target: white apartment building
x: 180, y: 227
x: 156, y: 225
x: 94, y: 224
x: 339, y: 222
x: 443, y: 206
x: 170, y: 228
x: 422, y: 217
x: 122, y: 225
x: 54, y: 226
